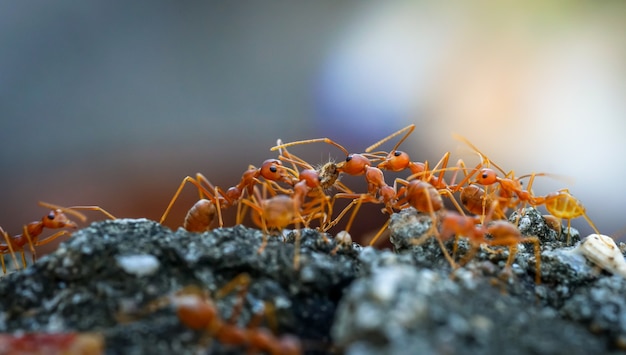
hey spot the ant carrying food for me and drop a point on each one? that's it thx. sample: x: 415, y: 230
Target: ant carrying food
x: 356, y: 165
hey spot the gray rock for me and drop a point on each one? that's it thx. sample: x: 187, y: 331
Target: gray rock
x: 108, y: 277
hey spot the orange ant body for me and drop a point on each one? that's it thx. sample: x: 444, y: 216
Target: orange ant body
x: 55, y: 219
x: 270, y: 170
x: 560, y: 204
x: 355, y: 165
x: 503, y: 233
x: 197, y: 311
x: 511, y: 191
x: 279, y: 211
x: 397, y: 160
x: 200, y: 216
x: 312, y: 183
x: 563, y: 205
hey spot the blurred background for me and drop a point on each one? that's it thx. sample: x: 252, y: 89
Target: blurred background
x: 113, y: 103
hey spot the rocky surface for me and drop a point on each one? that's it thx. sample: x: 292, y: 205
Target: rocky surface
x: 109, y: 277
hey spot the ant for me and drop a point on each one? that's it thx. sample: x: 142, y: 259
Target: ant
x: 201, y: 215
x: 503, y: 233
x: 511, y: 190
x: 397, y: 160
x: 198, y: 311
x: 55, y: 219
x: 356, y: 165
x: 562, y: 205
x: 312, y: 183
x: 280, y: 210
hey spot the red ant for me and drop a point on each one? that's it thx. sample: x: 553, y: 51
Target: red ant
x: 560, y: 204
x: 397, y: 160
x: 356, y: 164
x: 503, y: 233
x: 280, y: 210
x: 197, y: 311
x: 55, y: 219
x: 201, y: 215
x: 511, y: 190
x: 52, y: 343
x: 312, y: 183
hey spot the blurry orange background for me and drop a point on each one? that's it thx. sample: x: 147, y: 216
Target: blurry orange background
x: 112, y: 103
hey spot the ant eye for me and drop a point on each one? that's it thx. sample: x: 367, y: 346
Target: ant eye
x: 397, y: 153
x: 273, y: 169
x: 51, y: 215
x: 349, y: 157
x: 485, y: 175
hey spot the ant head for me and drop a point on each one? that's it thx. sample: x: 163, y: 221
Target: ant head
x: 194, y: 311
x: 487, y: 176
x: 311, y: 177
x: 57, y: 219
x: 396, y: 160
x: 273, y: 169
x: 354, y: 164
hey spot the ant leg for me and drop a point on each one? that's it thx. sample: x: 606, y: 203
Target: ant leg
x: 201, y: 190
x: 470, y: 254
x: 255, y: 204
x: 5, y: 235
x: 216, y: 190
x: 52, y: 237
x: 176, y: 194
x: 342, y: 187
x: 354, y: 212
x: 94, y: 208
x: 460, y: 166
x: 483, y: 158
x: 467, y: 177
x: 569, y: 226
x: 454, y: 202
x: 30, y: 244
x: 408, y: 128
x: 357, y: 201
x: 591, y: 223
x: 308, y: 141
x: 537, y: 250
x: 379, y: 233
x: 296, y: 247
x: 241, y: 283
x: 444, y: 164
x: 69, y: 210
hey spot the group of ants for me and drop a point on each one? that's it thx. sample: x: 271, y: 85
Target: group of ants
x: 288, y: 191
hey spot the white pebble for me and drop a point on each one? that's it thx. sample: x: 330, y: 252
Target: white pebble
x: 140, y: 264
x: 603, y: 252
